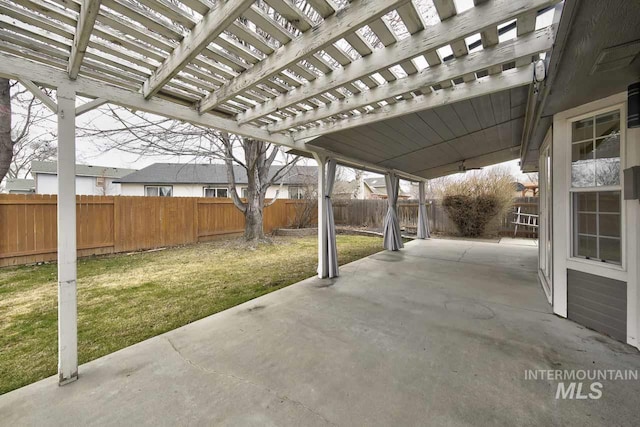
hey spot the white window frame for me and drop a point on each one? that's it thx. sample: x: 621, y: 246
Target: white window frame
x: 619, y: 188
x: 158, y: 187
x: 226, y: 189
x: 545, y: 246
x: 299, y: 191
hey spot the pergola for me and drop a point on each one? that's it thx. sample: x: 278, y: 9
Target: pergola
x: 374, y: 84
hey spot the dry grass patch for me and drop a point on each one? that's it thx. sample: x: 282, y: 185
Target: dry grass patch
x: 124, y: 299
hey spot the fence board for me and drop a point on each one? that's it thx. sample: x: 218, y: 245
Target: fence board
x: 108, y: 224
x: 371, y: 213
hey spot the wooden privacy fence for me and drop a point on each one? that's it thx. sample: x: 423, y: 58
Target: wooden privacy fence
x: 111, y: 224
x: 371, y: 213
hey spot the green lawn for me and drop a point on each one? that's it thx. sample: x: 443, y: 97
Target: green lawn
x: 124, y: 299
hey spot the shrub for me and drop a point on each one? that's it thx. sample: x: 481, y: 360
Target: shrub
x: 475, y: 201
x: 306, y: 209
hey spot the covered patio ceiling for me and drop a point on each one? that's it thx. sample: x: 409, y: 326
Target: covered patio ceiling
x: 412, y: 87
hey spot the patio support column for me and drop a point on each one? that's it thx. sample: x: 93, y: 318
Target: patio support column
x: 327, y: 250
x: 323, y: 256
x: 423, y: 219
x: 67, y: 304
x: 392, y: 239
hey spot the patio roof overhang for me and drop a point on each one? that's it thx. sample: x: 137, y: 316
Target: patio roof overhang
x: 367, y: 82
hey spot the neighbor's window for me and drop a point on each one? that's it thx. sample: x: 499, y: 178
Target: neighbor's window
x: 296, y: 193
x: 245, y: 192
x: 595, y: 188
x: 158, y: 190
x: 215, y: 192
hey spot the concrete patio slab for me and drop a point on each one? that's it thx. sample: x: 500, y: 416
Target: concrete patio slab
x: 440, y: 333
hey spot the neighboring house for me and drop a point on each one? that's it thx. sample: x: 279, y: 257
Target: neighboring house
x: 20, y: 186
x: 90, y: 180
x: 209, y: 180
x: 524, y: 190
x: 376, y: 188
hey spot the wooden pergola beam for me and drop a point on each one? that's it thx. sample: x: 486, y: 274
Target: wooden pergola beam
x: 506, y: 80
x: 38, y: 93
x: 202, y: 34
x: 86, y: 20
x: 525, y: 46
x: 456, y: 27
x: 20, y: 68
x: 89, y: 106
x: 335, y: 27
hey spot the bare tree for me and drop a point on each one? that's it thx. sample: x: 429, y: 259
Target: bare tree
x: 22, y: 141
x: 6, y: 142
x: 146, y: 135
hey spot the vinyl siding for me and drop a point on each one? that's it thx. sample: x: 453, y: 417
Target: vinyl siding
x: 597, y: 302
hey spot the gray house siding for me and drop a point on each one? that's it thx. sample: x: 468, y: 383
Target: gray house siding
x: 599, y: 303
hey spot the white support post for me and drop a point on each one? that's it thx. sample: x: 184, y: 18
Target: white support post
x: 67, y: 305
x: 323, y: 255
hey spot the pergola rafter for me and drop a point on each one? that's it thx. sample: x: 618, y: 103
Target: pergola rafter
x: 522, y: 47
x: 86, y: 19
x: 334, y: 28
x: 457, y: 27
x: 486, y: 86
x: 210, y: 27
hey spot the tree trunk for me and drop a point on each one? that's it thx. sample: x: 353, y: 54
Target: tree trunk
x: 253, y: 229
x: 6, y: 145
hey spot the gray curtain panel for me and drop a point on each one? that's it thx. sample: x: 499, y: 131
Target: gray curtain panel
x: 332, y: 249
x: 423, y: 219
x: 392, y: 239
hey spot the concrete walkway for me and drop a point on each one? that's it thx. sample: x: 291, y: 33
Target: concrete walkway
x: 440, y: 333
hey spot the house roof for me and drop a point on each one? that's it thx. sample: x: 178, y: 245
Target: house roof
x: 51, y: 168
x: 16, y: 184
x: 180, y: 173
x: 375, y: 182
x: 379, y: 186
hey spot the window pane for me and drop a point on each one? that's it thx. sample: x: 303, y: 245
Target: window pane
x: 608, y: 161
x: 609, y: 201
x: 607, y: 124
x: 209, y: 192
x: 608, y: 148
x: 587, y: 247
x: 245, y: 191
x: 582, y: 151
x: 166, y: 191
x: 582, y: 129
x: 587, y: 224
x: 151, y: 191
x: 582, y: 166
x: 585, y: 202
x: 609, y: 225
x: 222, y: 192
x: 610, y: 250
